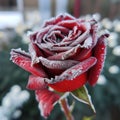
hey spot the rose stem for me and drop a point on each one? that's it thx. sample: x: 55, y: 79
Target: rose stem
x: 66, y: 109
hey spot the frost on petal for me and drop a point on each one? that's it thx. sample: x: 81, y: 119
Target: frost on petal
x: 47, y: 100
x: 83, y: 36
x: 34, y: 52
x: 24, y: 61
x: 36, y: 83
x: 76, y: 70
x: 99, y: 53
x: 67, y: 54
x: 58, y: 19
x: 57, y: 64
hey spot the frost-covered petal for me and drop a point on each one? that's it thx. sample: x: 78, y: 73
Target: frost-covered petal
x: 36, y: 83
x: 99, y: 52
x: 74, y: 71
x: 58, y: 19
x: 57, y: 64
x: 34, y: 52
x: 67, y: 54
x: 83, y: 36
x: 46, y: 100
x: 24, y: 61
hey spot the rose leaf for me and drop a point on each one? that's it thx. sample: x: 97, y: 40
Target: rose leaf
x: 82, y: 95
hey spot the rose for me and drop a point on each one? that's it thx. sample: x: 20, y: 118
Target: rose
x: 64, y: 54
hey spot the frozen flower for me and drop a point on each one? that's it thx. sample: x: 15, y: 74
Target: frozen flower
x: 64, y: 54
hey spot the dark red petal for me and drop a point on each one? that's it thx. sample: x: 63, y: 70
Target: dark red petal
x: 21, y: 59
x: 57, y: 49
x: 57, y: 64
x: 32, y: 36
x: 33, y: 47
x: 59, y: 28
x: 66, y: 54
x: 46, y: 100
x: 58, y: 19
x: 83, y: 36
x: 70, y: 85
x: 68, y: 17
x: 99, y: 53
x: 45, y: 50
x: 77, y: 70
x: 68, y: 24
x: 41, y: 33
x: 34, y: 52
x: 36, y: 83
x: 72, y: 74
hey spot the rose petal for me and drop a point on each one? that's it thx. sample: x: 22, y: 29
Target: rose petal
x: 58, y: 19
x: 65, y: 55
x: 41, y: 34
x: 47, y: 100
x: 60, y: 49
x: 36, y: 83
x: 70, y: 85
x: 57, y: 64
x: 32, y: 36
x: 24, y: 61
x: 74, y: 71
x: 45, y: 48
x: 68, y: 24
x: 83, y: 36
x: 34, y: 52
x: 87, y: 52
x: 59, y: 28
x: 99, y: 53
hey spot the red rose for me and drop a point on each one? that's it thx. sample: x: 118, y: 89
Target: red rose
x: 64, y: 54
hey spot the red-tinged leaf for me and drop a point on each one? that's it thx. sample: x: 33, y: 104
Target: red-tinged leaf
x: 36, y: 83
x: 24, y: 61
x: 82, y: 95
x: 47, y: 100
x: 99, y: 53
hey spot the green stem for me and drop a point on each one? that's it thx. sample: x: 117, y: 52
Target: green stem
x: 66, y: 109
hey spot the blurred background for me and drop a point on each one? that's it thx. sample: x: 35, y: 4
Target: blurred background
x: 17, y: 17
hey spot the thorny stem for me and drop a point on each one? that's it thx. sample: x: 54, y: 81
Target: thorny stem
x: 66, y: 109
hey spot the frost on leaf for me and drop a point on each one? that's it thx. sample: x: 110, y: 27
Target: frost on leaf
x: 82, y: 95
